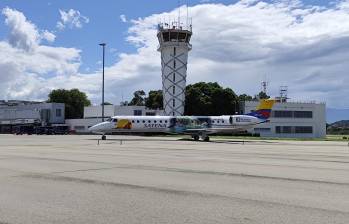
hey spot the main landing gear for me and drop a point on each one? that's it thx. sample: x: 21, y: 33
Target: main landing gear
x: 104, y: 137
x: 203, y: 137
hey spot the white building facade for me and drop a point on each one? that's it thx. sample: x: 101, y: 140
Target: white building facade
x: 292, y: 120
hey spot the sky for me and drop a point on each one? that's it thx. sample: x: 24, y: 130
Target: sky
x: 304, y: 45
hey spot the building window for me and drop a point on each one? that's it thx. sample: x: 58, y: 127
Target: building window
x: 58, y: 112
x: 283, y: 129
x: 303, y: 114
x: 283, y: 113
x: 278, y: 129
x: 287, y: 129
x: 304, y: 130
x: 137, y: 112
x: 258, y: 130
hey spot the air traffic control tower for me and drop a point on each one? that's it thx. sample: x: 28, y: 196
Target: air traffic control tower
x: 174, y: 47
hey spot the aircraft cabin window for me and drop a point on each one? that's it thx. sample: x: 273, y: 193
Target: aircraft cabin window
x: 154, y: 121
x: 143, y: 121
x: 160, y: 121
x: 166, y: 121
x: 149, y: 121
x: 218, y: 122
x: 137, y: 121
x: 133, y: 121
x: 222, y: 121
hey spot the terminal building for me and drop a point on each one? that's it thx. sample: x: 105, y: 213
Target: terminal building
x: 292, y: 120
x: 16, y: 112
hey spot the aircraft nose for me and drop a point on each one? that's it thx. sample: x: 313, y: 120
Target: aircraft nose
x: 94, y: 128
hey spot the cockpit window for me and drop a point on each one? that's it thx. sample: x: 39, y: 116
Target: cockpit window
x: 109, y: 119
x: 115, y: 120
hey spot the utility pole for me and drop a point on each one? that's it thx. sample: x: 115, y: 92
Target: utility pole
x: 103, y: 46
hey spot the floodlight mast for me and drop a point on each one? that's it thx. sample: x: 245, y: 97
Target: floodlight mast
x: 103, y: 46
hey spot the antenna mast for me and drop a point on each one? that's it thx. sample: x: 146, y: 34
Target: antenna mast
x: 187, y: 16
x: 179, y: 13
x: 265, y: 84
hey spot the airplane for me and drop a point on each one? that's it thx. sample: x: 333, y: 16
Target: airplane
x: 196, y: 126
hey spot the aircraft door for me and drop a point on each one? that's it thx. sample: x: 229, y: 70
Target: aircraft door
x: 231, y: 119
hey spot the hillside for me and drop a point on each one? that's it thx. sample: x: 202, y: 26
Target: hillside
x: 339, y: 127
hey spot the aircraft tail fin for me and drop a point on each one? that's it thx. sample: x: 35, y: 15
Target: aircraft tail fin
x: 263, y: 110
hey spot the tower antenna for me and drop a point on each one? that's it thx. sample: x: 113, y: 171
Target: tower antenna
x: 187, y: 15
x: 179, y: 13
x: 265, y: 84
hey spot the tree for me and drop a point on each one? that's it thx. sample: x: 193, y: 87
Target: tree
x: 138, y: 98
x: 154, y: 100
x: 124, y: 103
x: 210, y: 99
x: 244, y: 97
x: 73, y: 99
x: 261, y: 95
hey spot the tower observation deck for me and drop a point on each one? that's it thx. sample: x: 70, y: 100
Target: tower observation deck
x: 174, y: 47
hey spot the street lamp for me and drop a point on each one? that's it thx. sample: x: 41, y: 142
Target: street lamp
x: 103, y: 45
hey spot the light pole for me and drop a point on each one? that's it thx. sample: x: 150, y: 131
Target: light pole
x: 103, y: 45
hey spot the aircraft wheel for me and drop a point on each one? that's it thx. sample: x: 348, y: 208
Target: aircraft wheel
x: 196, y: 137
x: 206, y: 139
x: 104, y: 137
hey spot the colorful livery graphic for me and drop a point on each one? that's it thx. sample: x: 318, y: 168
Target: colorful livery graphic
x: 196, y: 126
x: 123, y: 124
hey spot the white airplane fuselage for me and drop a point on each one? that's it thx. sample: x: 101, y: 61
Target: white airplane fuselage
x: 176, y: 125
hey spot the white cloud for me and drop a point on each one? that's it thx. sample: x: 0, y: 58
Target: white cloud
x: 298, y: 45
x: 49, y: 36
x: 304, y: 47
x: 26, y: 66
x: 123, y: 18
x: 72, y: 19
x: 23, y: 33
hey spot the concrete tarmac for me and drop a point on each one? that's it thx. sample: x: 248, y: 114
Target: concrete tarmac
x: 72, y: 179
